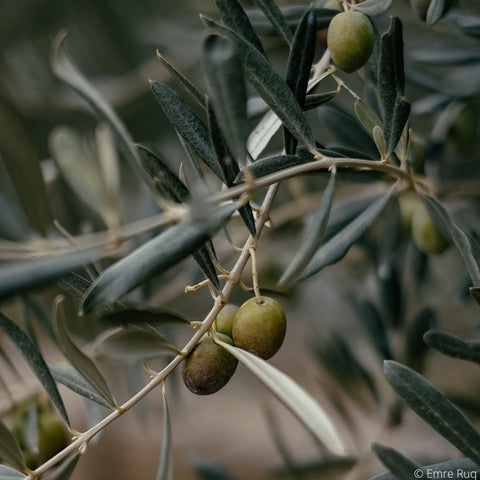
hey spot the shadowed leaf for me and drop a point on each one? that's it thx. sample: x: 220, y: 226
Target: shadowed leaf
x: 165, y: 468
x: 401, y: 467
x: 314, y: 235
x: 274, y: 14
x: 25, y: 275
x: 373, y: 8
x: 269, y: 165
x: 66, y: 469
x: 453, y: 346
x: 132, y: 345
x: 297, y: 400
x: 9, y: 450
x: 35, y: 360
x: 154, y: 257
x: 269, y: 85
x: 71, y: 378
x: 76, y: 357
x: 433, y: 407
x: 337, y: 247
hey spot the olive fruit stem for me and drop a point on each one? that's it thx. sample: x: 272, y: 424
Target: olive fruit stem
x: 256, y: 287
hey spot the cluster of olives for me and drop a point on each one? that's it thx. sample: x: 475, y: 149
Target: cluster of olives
x: 416, y: 219
x: 258, y: 326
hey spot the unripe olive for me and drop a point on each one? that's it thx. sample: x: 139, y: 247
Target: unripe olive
x: 52, y: 436
x: 208, y: 367
x: 425, y: 234
x: 350, y: 40
x: 259, y: 327
x: 408, y: 201
x: 420, y: 7
x: 323, y: 32
x: 224, y: 320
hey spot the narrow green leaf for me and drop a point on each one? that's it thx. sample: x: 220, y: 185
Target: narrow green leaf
x: 154, y: 257
x: 274, y: 14
x: 447, y: 226
x: 368, y: 118
x: 401, y: 467
x: 373, y: 8
x: 165, y: 467
x: 435, y: 11
x: 66, y: 71
x: 269, y: 165
x: 453, y: 346
x: 379, y: 139
x: 71, y: 378
x: 297, y: 400
x: 9, y: 450
x: 337, y: 247
x: 76, y: 357
x: 299, y: 66
x: 190, y: 128
x: 35, y: 360
x: 228, y: 91
x: 269, y: 85
x: 314, y: 100
x: 433, y: 407
x: 313, y: 236
x: 234, y: 17
x: 164, y: 178
x: 401, y: 113
x: 79, y: 168
x: 131, y: 345
x: 185, y: 82
x: 64, y: 471
x: 25, y: 275
x: 7, y: 473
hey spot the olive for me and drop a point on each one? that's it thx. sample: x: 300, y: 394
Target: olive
x: 224, y: 321
x: 350, y: 40
x: 425, y: 234
x: 259, y: 327
x: 420, y: 7
x: 323, y: 32
x: 208, y: 367
x: 52, y: 436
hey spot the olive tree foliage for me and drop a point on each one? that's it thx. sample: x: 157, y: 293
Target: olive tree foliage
x: 251, y: 130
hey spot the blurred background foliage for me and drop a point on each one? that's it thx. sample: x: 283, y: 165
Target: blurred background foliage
x: 114, y: 43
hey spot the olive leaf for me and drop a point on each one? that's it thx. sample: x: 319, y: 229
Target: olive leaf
x: 314, y: 235
x: 165, y: 467
x: 373, y: 8
x: 76, y: 357
x: 299, y: 66
x: 367, y: 116
x: 274, y: 14
x: 451, y: 231
x: 7, y: 473
x: 71, y: 378
x: 66, y: 469
x: 155, y: 256
x: 435, y: 408
x: 391, y: 83
x: 9, y: 450
x: 453, y: 346
x: 475, y: 293
x: 189, y: 127
x: 268, y: 84
x: 268, y: 165
x: 401, y: 467
x: 35, y: 361
x: 234, y: 17
x: 131, y: 345
x: 297, y: 400
x: 228, y: 91
x: 18, y: 277
x: 184, y: 81
x: 435, y: 11
x: 337, y: 246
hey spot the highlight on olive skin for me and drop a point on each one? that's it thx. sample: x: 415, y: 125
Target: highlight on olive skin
x: 350, y: 40
x: 209, y: 366
x: 259, y: 327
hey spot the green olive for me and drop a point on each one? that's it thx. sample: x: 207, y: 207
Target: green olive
x: 259, y: 327
x: 350, y: 40
x: 420, y: 7
x: 408, y: 201
x: 208, y: 367
x: 224, y: 320
x: 323, y: 32
x: 425, y: 234
x: 52, y: 436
